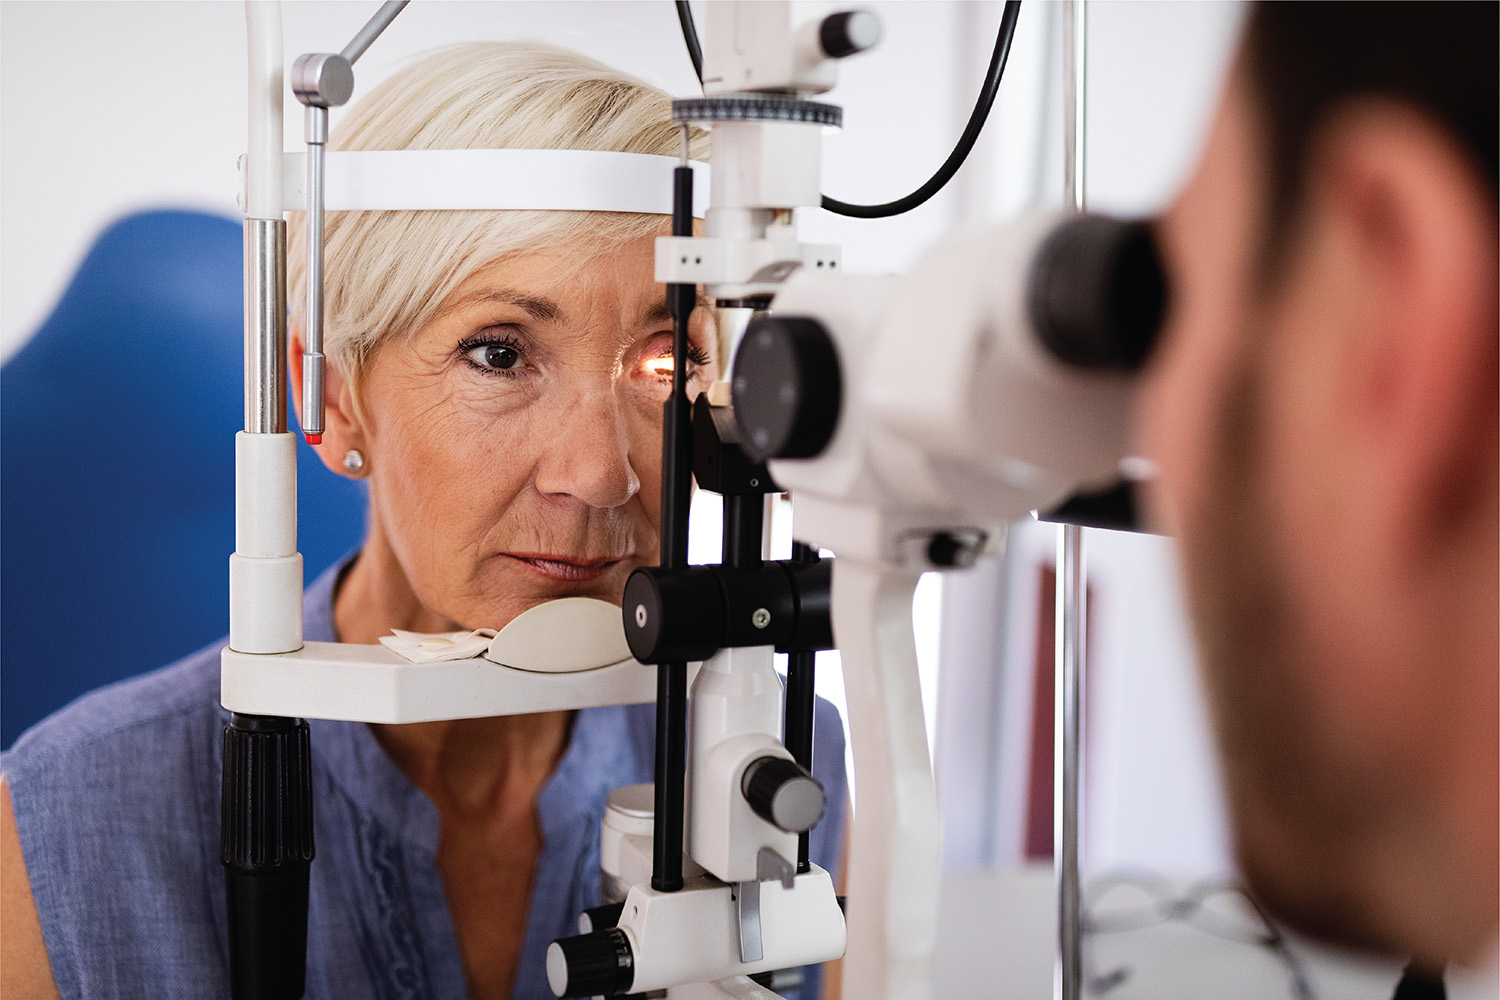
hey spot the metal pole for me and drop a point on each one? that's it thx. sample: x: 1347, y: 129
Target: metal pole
x: 1071, y: 591
x: 313, y: 360
x: 372, y: 29
x: 265, y: 326
x: 1068, y: 770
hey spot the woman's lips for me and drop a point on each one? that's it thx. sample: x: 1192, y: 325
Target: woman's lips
x: 569, y: 569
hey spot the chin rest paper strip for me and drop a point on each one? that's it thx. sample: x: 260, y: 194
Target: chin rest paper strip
x: 562, y: 636
x: 569, y: 180
x: 432, y: 647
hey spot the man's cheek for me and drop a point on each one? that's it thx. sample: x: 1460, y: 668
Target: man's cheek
x: 1167, y: 419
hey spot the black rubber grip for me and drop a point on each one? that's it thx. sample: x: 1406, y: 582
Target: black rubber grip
x: 266, y: 844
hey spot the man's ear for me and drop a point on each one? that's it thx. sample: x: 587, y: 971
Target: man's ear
x: 342, y: 428
x: 1422, y: 397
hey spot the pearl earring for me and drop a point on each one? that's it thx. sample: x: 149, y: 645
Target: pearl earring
x: 354, y: 461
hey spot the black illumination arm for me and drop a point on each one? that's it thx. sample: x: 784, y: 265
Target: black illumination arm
x: 676, y: 494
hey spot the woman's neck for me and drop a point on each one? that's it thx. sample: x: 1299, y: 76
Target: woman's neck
x: 375, y: 596
x: 495, y: 764
x: 478, y: 767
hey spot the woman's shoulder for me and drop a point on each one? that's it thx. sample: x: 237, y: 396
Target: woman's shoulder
x: 115, y: 799
x: 143, y: 714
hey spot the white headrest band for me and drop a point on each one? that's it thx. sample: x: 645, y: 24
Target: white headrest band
x: 493, y: 179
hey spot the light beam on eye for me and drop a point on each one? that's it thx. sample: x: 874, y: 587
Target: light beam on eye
x: 661, y: 366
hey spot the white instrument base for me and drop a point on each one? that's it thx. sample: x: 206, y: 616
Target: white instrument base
x: 358, y: 683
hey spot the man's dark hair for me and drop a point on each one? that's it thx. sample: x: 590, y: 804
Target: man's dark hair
x: 1307, y: 59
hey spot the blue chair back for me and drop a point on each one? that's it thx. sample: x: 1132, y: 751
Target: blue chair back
x: 117, y: 423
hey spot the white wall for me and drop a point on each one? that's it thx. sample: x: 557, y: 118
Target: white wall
x: 106, y: 107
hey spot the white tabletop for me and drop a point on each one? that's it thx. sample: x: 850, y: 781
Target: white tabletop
x: 997, y: 935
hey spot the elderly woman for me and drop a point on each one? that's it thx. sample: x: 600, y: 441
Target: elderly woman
x: 497, y: 379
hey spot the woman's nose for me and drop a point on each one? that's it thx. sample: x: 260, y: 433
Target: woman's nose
x: 587, y: 452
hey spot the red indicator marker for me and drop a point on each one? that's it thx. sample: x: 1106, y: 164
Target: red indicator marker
x: 315, y: 439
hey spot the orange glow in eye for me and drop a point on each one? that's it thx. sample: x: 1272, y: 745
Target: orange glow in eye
x: 660, y: 367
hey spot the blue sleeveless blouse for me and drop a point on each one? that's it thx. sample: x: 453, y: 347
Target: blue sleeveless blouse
x: 116, y: 800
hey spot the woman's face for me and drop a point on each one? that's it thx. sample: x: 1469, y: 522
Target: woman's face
x: 514, y: 442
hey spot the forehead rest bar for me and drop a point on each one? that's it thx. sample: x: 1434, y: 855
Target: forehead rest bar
x: 570, y: 180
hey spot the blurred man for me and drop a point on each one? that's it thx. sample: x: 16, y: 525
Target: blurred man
x: 1325, y: 411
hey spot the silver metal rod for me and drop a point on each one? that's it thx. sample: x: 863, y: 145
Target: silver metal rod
x: 265, y: 326
x: 372, y: 29
x: 1071, y: 588
x: 1067, y: 750
x: 1075, y: 66
x: 313, y: 361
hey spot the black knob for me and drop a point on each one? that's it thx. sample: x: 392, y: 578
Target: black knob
x: 598, y: 918
x: 589, y: 965
x: 787, y: 388
x: 949, y: 550
x: 1098, y: 293
x: 783, y: 794
x: 848, y: 32
x: 673, y: 616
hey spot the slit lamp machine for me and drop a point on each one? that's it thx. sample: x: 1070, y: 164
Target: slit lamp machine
x: 1031, y: 332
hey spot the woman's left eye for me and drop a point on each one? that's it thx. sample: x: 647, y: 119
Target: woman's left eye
x: 492, y: 356
x: 662, y: 365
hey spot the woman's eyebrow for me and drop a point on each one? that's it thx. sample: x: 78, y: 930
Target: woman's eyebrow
x: 537, y: 308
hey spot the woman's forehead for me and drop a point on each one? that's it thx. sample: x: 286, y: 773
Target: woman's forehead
x: 560, y: 284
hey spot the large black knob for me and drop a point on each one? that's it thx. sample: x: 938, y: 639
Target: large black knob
x: 783, y: 794
x: 591, y: 965
x: 847, y: 32
x: 673, y: 616
x: 787, y: 388
x: 1097, y: 293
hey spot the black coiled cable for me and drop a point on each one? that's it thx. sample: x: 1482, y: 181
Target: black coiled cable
x: 690, y: 36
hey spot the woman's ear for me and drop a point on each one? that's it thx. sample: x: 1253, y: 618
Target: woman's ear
x: 343, y: 431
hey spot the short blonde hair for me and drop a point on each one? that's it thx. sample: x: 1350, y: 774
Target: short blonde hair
x: 386, y: 273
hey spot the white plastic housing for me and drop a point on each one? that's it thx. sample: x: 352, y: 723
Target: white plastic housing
x: 761, y: 172
x: 736, y: 718
x: 895, y: 846
x: 263, y: 169
x: 768, y: 45
x: 970, y: 410
x: 951, y: 415
x: 766, y: 164
x: 333, y: 680
x: 265, y: 571
x: 716, y: 262
x: 691, y: 936
x: 738, y: 988
x: 625, y: 841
